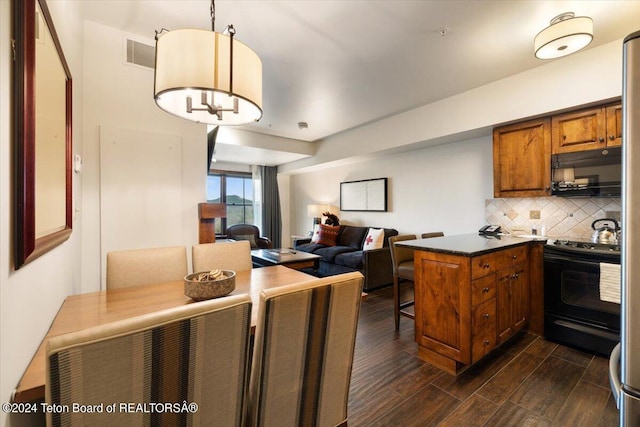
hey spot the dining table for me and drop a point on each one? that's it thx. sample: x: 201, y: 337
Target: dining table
x: 87, y: 310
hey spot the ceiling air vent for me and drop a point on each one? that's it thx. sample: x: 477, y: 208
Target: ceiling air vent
x: 140, y: 53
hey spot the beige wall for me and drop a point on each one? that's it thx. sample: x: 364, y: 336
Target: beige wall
x: 442, y: 188
x: 120, y: 95
x: 31, y: 296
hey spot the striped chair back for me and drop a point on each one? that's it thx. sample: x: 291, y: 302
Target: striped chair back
x: 192, y: 360
x: 303, y: 353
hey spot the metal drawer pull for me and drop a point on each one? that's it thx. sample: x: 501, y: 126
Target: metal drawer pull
x: 487, y: 342
x: 486, y: 266
x: 485, y: 316
x: 514, y: 257
x: 485, y: 290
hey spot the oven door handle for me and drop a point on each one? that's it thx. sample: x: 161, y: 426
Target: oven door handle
x: 571, y: 260
x: 614, y: 374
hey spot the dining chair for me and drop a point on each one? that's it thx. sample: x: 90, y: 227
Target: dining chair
x: 402, y: 262
x: 235, y: 256
x: 144, y: 266
x: 187, y: 365
x: 303, y: 353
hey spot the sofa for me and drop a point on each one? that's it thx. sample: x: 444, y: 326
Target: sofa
x: 348, y: 254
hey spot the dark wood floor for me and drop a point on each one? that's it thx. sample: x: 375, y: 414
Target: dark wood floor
x: 526, y: 382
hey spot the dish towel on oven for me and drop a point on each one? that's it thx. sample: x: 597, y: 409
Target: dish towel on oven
x: 610, y: 282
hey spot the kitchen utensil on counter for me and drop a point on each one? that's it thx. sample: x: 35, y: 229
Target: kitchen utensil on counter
x: 605, y: 233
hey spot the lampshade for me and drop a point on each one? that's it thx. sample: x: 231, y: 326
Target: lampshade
x: 566, y: 35
x: 316, y: 211
x: 207, y: 77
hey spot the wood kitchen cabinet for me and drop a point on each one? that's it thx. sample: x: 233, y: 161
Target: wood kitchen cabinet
x: 512, y: 301
x: 521, y: 159
x: 522, y: 151
x: 443, y: 308
x: 614, y: 125
x: 588, y: 129
x: 483, y: 306
x: 466, y: 305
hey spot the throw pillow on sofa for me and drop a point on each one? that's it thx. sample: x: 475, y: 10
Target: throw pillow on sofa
x: 328, y: 234
x: 315, y: 236
x: 374, y: 239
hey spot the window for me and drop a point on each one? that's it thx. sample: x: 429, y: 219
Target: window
x: 235, y: 189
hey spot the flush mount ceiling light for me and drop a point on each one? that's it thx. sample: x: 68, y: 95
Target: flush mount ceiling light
x: 207, y: 77
x: 566, y: 35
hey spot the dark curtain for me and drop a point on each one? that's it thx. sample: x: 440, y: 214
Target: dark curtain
x: 211, y: 145
x: 271, y: 218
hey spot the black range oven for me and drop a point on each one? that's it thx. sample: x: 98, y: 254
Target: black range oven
x: 574, y: 313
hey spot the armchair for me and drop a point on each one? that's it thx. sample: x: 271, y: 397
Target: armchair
x: 251, y: 233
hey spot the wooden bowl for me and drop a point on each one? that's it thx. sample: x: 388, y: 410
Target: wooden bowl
x: 211, y: 288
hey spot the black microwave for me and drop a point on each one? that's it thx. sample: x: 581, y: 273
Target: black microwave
x: 592, y: 173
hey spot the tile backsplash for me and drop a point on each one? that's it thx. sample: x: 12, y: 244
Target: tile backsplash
x: 567, y: 218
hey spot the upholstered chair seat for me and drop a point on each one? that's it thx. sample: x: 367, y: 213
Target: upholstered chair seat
x: 406, y: 270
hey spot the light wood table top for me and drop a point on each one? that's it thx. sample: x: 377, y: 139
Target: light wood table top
x: 82, y: 311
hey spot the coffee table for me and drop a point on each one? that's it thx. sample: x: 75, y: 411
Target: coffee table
x: 287, y: 257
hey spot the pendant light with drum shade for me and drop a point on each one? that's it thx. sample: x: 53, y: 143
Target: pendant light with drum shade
x: 565, y: 35
x: 207, y: 77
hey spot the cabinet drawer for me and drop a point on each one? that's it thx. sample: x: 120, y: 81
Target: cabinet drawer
x: 484, y: 317
x: 482, y: 344
x: 483, y: 289
x: 510, y: 257
x: 482, y: 265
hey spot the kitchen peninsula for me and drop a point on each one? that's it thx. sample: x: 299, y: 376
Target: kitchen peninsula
x: 472, y: 293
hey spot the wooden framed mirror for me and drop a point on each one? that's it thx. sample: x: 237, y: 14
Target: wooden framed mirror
x: 42, y: 132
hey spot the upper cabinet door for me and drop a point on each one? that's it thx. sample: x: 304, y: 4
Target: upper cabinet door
x: 579, y: 131
x: 522, y: 159
x: 614, y: 125
x: 590, y: 129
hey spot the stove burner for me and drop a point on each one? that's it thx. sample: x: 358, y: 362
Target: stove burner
x: 600, y: 247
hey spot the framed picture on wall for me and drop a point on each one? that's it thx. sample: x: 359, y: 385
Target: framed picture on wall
x: 364, y: 195
x: 42, y: 108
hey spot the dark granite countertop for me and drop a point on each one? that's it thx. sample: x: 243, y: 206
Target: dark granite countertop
x: 465, y: 244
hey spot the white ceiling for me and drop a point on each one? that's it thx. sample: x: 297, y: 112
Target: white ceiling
x: 344, y: 63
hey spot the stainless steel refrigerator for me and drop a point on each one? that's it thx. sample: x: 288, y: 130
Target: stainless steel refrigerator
x: 624, y: 364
